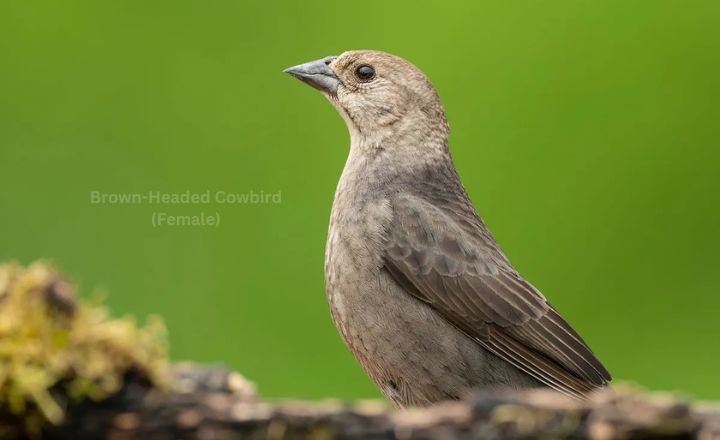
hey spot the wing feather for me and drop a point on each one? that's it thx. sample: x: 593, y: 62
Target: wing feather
x: 458, y: 269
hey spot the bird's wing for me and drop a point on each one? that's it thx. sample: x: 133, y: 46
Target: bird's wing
x: 456, y: 267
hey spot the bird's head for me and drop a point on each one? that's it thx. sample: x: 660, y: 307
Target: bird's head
x: 382, y: 97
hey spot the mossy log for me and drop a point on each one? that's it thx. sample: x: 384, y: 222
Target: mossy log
x: 68, y: 371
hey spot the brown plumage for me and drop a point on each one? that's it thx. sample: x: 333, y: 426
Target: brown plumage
x: 417, y: 285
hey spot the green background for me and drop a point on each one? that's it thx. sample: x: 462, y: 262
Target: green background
x: 585, y: 131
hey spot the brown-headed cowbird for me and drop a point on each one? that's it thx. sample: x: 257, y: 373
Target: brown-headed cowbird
x: 418, y: 287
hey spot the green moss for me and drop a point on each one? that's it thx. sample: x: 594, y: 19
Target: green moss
x: 51, y: 345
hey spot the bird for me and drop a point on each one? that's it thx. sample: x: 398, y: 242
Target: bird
x: 418, y: 288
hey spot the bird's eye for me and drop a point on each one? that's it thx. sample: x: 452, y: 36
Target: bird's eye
x: 365, y: 72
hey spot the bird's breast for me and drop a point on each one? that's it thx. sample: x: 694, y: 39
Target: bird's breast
x: 354, y: 248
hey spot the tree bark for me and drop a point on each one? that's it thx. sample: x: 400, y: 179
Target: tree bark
x: 213, y: 403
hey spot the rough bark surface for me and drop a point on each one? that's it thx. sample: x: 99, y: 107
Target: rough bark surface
x: 213, y: 403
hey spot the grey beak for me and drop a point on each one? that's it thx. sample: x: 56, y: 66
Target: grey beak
x: 317, y: 74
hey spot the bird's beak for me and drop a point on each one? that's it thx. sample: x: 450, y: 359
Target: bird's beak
x: 317, y: 73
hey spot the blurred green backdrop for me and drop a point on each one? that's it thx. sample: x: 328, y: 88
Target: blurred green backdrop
x: 586, y: 133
